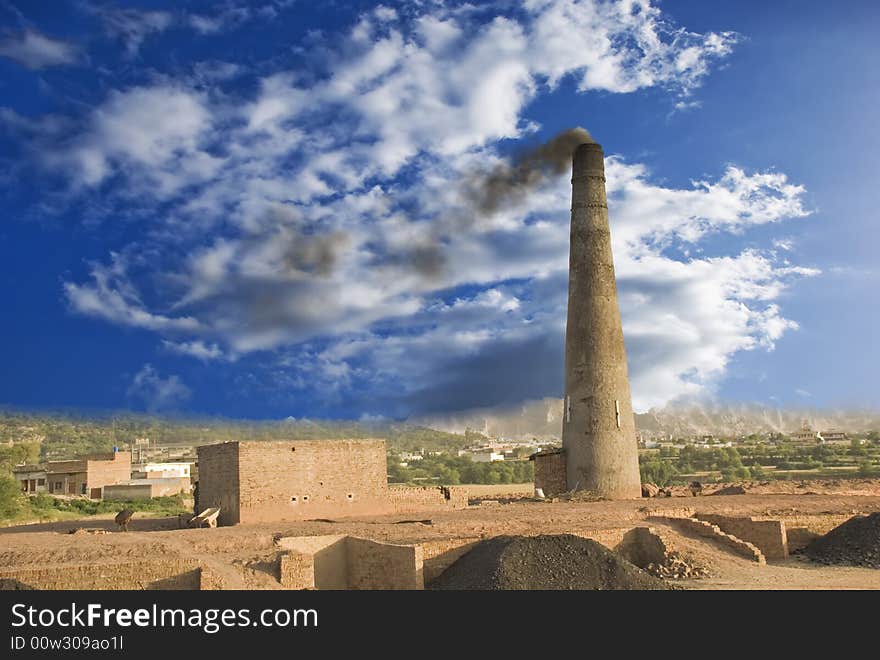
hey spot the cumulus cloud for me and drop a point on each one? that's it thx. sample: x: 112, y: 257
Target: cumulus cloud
x: 149, y: 134
x: 155, y: 392
x: 324, y: 220
x: 36, y: 50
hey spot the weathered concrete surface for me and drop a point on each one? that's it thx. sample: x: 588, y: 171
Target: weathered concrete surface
x: 598, y: 431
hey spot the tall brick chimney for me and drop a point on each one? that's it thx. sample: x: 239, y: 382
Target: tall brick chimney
x: 598, y: 431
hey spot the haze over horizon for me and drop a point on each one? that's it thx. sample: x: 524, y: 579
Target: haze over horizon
x: 266, y: 209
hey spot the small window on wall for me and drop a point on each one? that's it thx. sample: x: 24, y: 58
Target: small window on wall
x: 305, y: 498
x: 41, y: 482
x: 350, y: 496
x: 293, y: 500
x: 57, y: 485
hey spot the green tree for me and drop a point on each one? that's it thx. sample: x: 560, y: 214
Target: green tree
x: 12, y: 502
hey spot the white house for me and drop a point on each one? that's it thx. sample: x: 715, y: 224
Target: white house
x: 167, y: 470
x: 486, y: 456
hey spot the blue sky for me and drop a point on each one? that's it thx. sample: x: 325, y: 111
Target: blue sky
x: 261, y: 209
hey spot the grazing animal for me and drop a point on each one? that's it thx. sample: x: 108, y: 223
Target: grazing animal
x: 696, y: 488
x: 123, y: 518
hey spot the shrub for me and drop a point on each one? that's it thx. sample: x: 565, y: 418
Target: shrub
x: 12, y: 502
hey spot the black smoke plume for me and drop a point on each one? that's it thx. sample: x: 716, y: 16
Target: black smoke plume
x: 509, y: 183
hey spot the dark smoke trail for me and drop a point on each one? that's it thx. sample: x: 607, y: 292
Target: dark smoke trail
x: 509, y: 183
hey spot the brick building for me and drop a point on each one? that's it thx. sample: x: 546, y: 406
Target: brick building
x: 550, y: 471
x: 89, y: 474
x: 302, y: 479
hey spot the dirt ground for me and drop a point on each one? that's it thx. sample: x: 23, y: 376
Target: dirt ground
x: 241, y: 555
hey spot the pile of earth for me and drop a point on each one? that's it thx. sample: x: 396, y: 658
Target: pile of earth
x: 677, y: 567
x: 557, y: 562
x: 856, y: 542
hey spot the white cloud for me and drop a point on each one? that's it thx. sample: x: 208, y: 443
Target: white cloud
x: 132, y: 26
x: 150, y: 134
x: 112, y: 297
x: 296, y: 236
x: 158, y: 393
x: 230, y: 14
x: 197, y: 349
x: 38, y: 51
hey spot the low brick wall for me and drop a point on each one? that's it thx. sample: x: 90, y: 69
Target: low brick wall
x: 296, y: 570
x: 348, y: 562
x: 314, y: 562
x: 610, y: 538
x: 374, y: 565
x: 801, y: 530
x: 170, y: 574
x: 413, y: 500
x: 146, y: 489
x: 767, y: 535
x: 710, y: 531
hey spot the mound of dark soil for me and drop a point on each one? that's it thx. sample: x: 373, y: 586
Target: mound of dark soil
x: 731, y: 490
x: 560, y: 561
x: 856, y: 542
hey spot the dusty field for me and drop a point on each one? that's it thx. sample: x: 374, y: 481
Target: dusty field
x: 240, y: 555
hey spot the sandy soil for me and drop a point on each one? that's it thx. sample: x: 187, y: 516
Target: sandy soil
x: 244, y: 555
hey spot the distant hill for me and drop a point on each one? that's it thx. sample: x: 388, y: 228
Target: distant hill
x: 64, y: 436
x: 543, y: 419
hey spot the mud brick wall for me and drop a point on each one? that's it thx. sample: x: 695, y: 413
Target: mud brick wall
x: 708, y: 530
x: 295, y: 480
x: 767, y: 535
x: 550, y: 474
x: 801, y: 530
x: 412, y: 500
x: 218, y: 480
x: 327, y: 555
x: 374, y: 565
x: 296, y: 570
x: 108, y: 469
x: 610, y: 538
x: 347, y: 562
x: 170, y: 574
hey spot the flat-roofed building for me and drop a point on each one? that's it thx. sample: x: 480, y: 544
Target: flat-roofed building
x: 88, y: 475
x: 31, y: 477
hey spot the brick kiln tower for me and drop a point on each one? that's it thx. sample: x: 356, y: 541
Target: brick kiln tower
x: 598, y: 431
